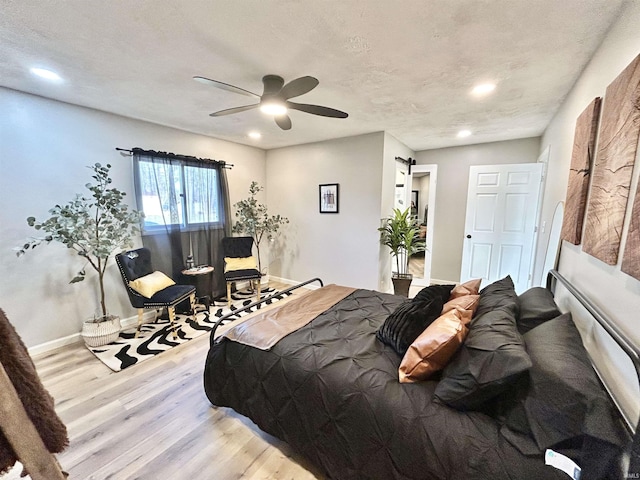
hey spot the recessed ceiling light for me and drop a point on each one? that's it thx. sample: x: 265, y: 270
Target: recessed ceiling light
x: 483, y: 89
x: 273, y: 108
x: 255, y: 135
x: 47, y: 74
x: 464, y: 133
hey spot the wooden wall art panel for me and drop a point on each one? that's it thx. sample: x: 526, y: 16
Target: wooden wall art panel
x: 631, y: 258
x: 584, y: 143
x: 613, y: 166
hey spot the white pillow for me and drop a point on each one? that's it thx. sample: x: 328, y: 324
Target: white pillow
x: 151, y: 284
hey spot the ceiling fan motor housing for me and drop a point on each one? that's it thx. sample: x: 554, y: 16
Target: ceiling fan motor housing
x: 272, y: 85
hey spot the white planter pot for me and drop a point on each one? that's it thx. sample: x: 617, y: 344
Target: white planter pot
x: 264, y: 281
x: 97, y: 334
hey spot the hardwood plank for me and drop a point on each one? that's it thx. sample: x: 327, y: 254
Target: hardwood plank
x: 153, y: 421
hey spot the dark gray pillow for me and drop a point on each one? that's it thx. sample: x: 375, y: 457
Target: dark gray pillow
x: 407, y: 322
x: 499, y: 294
x: 492, y: 357
x: 536, y: 307
x: 563, y: 405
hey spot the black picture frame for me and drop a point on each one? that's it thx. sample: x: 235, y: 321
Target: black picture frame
x: 329, y: 198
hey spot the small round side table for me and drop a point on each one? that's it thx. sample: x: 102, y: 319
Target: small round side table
x: 200, y: 277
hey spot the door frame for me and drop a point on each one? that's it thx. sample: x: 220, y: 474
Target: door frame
x: 537, y: 279
x: 432, y: 170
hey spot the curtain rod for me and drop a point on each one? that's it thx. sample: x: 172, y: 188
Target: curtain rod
x: 410, y: 161
x: 172, y: 155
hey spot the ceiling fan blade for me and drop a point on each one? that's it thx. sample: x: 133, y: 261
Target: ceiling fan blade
x: 298, y: 87
x: 225, y: 86
x: 283, y: 121
x: 317, y: 110
x: 229, y: 111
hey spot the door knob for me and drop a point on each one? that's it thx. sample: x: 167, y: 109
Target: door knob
x: 468, y: 236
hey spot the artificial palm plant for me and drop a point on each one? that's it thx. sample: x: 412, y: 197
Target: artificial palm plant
x: 399, y: 232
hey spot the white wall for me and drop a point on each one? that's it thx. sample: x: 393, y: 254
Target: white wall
x: 451, y: 194
x: 616, y: 293
x: 44, y: 148
x: 602, y: 281
x: 620, y: 47
x: 392, y: 148
x: 340, y: 248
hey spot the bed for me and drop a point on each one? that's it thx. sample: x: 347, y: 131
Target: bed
x: 331, y: 390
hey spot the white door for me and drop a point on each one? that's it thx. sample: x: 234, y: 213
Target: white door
x: 500, y: 224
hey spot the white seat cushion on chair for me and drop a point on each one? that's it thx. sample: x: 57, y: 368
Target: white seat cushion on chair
x: 149, y: 285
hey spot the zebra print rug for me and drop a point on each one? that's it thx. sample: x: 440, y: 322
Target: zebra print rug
x: 155, y: 338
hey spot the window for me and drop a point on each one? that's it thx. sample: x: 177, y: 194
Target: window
x: 178, y: 194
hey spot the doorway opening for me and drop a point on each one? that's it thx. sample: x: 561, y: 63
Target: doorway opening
x: 422, y: 202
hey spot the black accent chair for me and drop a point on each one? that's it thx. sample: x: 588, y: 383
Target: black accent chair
x: 134, y: 264
x: 240, y: 247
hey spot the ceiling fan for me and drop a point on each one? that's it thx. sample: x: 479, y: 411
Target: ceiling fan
x: 275, y: 98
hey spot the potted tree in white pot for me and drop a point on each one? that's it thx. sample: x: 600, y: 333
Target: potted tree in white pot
x: 254, y: 221
x: 400, y: 233
x: 96, y: 227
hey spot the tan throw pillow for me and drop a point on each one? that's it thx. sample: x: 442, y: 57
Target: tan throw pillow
x: 433, y: 349
x: 466, y: 302
x: 151, y: 284
x: 244, y: 263
x: 470, y: 287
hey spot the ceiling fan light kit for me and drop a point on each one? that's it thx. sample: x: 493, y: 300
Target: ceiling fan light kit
x: 272, y: 107
x: 275, y: 98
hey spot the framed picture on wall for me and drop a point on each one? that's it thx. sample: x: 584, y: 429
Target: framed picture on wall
x: 329, y: 198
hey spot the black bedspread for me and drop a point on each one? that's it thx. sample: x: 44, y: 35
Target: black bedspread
x: 331, y: 391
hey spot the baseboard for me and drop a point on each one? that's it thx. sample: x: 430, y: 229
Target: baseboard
x: 54, y: 344
x: 125, y: 323
x: 437, y: 281
x: 293, y: 282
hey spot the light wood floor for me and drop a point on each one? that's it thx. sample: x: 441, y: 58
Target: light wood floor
x: 153, y: 421
x: 416, y: 266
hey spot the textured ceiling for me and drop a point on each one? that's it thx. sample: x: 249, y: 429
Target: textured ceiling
x: 405, y: 67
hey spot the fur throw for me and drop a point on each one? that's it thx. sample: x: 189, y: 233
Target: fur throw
x: 36, y: 400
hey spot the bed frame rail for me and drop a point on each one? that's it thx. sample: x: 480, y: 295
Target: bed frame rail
x: 232, y: 314
x: 632, y: 351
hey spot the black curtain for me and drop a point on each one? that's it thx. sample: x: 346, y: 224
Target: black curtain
x: 186, y: 205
